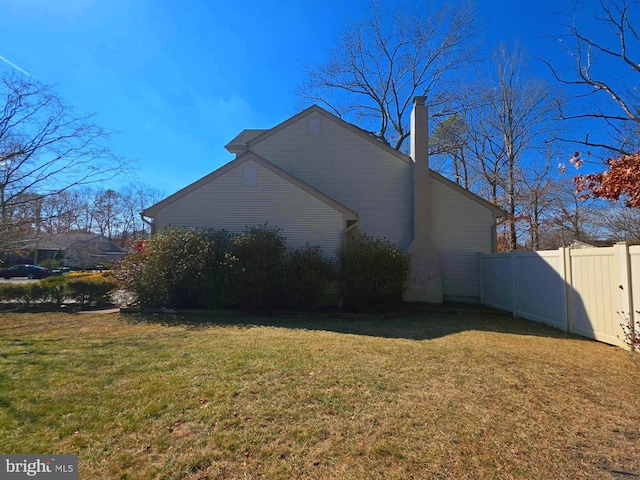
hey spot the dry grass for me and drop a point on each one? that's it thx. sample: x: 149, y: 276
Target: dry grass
x: 425, y: 396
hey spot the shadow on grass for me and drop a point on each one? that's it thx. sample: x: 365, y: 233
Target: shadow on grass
x: 423, y: 322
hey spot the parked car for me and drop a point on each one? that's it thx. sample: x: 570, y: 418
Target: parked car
x: 59, y: 271
x: 29, y: 271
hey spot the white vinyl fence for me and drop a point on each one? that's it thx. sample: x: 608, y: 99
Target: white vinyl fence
x: 589, y: 292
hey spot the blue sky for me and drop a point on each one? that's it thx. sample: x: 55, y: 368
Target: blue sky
x: 178, y: 79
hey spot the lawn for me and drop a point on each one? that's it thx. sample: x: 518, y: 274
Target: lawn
x: 433, y: 395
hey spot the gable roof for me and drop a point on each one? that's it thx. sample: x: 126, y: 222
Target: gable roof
x: 346, y: 211
x: 63, y: 241
x: 248, y: 138
x: 330, y: 116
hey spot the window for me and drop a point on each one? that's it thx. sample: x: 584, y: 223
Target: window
x: 250, y: 176
x: 315, y: 125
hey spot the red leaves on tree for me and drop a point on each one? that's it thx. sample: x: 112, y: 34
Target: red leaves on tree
x: 622, y: 179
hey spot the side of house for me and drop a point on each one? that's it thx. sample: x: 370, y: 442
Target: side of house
x: 321, y: 180
x: 347, y: 164
x: 250, y: 191
x: 463, y: 227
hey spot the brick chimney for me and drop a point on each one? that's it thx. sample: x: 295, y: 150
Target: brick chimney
x: 426, y: 285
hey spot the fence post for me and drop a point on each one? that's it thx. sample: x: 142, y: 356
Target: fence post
x: 481, y: 270
x: 568, y: 288
x: 514, y: 284
x: 565, y: 281
x: 626, y: 304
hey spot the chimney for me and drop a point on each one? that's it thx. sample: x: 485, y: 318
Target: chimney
x: 419, y: 130
x: 426, y: 263
x: 421, y: 180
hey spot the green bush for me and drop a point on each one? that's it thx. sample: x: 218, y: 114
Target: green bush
x: 36, y: 292
x: 373, y: 273
x: 55, y: 287
x: 86, y: 290
x: 24, y: 294
x: 221, y: 242
x: 14, y: 292
x: 254, y: 269
x: 90, y: 290
x: 175, y: 268
x: 308, y: 275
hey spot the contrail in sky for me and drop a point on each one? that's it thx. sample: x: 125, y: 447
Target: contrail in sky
x: 14, y: 66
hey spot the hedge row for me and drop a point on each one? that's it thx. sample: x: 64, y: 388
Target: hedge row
x: 83, y: 290
x: 189, y: 268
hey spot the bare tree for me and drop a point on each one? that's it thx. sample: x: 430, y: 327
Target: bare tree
x: 136, y: 197
x: 62, y: 213
x: 380, y: 64
x: 112, y: 213
x: 622, y: 223
x: 571, y: 217
x: 46, y: 148
x: 515, y: 120
x: 108, y: 210
x: 536, y: 196
x: 607, y: 67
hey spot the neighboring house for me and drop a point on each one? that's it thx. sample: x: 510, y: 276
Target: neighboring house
x: 81, y: 250
x: 322, y: 180
x: 579, y: 244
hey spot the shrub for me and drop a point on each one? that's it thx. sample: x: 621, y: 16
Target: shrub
x: 55, y: 288
x: 254, y: 269
x: 175, y: 268
x: 23, y: 293
x: 631, y: 333
x: 10, y: 292
x: 91, y: 289
x: 86, y: 289
x: 308, y: 276
x: 221, y: 242
x: 36, y: 292
x: 373, y: 273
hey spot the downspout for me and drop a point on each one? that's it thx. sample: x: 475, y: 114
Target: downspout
x: 347, y: 230
x: 150, y: 223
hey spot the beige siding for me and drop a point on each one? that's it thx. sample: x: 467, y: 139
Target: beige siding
x: 226, y: 203
x: 461, y: 229
x: 350, y: 169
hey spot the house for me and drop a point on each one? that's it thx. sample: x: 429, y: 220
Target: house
x: 81, y: 250
x: 579, y: 244
x: 322, y: 180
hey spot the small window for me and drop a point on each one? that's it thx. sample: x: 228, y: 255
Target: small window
x: 315, y: 125
x: 249, y: 176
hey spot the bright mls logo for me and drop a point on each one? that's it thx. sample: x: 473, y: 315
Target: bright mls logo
x: 51, y: 467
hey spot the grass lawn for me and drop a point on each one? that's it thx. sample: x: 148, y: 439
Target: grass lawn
x: 425, y: 396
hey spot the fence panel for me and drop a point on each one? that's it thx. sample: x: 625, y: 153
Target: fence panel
x: 585, y: 291
x: 634, y: 261
x: 496, y: 281
x: 596, y: 294
x: 540, y: 287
